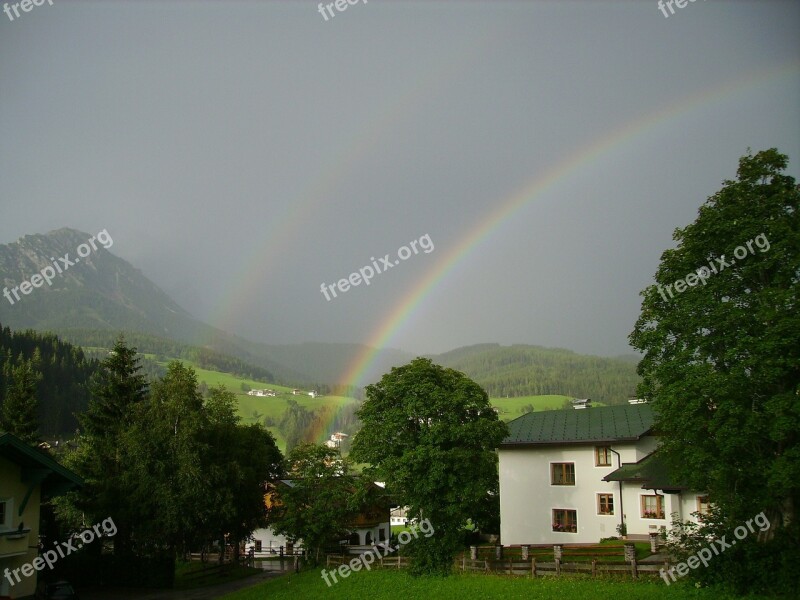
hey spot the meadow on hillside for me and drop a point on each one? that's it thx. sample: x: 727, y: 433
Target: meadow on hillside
x: 254, y: 409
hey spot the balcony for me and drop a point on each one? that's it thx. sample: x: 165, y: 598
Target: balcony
x: 14, y: 542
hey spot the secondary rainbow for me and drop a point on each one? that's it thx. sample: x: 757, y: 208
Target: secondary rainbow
x: 257, y: 265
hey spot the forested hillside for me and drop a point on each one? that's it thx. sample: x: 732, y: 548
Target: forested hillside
x: 164, y: 348
x: 532, y: 370
x: 65, y: 372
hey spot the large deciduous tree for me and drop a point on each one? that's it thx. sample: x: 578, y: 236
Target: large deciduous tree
x: 431, y: 435
x: 240, y: 460
x: 317, y: 500
x: 722, y: 353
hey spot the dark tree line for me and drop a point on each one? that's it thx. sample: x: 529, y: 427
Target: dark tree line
x: 61, y: 372
x: 530, y: 370
x: 299, y: 425
x: 176, y: 471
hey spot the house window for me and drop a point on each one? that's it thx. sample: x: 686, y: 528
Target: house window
x: 602, y: 456
x: 258, y: 546
x: 605, y: 504
x: 2, y: 513
x: 652, y: 507
x: 562, y: 473
x: 702, y: 505
x: 565, y: 521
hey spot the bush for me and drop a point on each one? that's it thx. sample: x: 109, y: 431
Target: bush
x: 747, y: 565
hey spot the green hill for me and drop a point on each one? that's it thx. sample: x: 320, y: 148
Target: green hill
x: 94, y: 300
x: 522, y: 370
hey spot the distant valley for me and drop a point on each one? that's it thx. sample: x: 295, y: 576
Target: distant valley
x: 92, y: 303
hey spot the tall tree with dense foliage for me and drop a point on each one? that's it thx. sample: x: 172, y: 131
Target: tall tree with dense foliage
x: 171, y: 491
x: 118, y: 386
x: 319, y: 500
x: 431, y: 435
x: 117, y: 389
x: 240, y: 460
x: 20, y: 408
x: 722, y: 362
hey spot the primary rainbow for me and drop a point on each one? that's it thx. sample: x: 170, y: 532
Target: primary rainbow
x: 405, y: 307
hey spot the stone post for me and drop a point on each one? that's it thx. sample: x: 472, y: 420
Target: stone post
x: 630, y: 552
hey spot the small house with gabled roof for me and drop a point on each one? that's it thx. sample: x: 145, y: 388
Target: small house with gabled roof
x: 575, y: 476
x: 28, y: 477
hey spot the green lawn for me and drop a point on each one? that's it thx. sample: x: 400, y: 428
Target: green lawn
x: 511, y: 408
x: 390, y: 585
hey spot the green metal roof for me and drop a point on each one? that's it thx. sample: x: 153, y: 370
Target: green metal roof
x: 652, y: 472
x: 54, y: 478
x: 626, y: 422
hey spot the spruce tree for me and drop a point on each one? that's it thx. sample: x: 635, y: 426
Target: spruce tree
x: 21, y: 405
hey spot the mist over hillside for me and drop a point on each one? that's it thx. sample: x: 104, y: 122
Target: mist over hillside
x: 94, y: 300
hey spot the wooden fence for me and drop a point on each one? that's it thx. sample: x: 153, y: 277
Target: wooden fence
x: 386, y: 562
x: 533, y: 567
x: 534, y: 561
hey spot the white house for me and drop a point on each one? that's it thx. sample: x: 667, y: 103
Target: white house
x: 398, y: 516
x: 336, y: 439
x: 261, y: 393
x: 266, y: 542
x: 573, y: 476
x: 370, y: 526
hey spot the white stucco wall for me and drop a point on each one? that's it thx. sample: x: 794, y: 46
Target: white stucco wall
x: 684, y: 504
x: 527, y: 498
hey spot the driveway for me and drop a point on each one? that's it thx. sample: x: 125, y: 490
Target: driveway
x: 207, y: 593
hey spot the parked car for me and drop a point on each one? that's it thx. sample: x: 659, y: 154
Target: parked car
x: 59, y: 590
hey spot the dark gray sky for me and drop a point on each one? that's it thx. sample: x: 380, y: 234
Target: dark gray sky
x: 243, y: 153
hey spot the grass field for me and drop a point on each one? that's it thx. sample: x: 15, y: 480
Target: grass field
x: 396, y: 585
x: 255, y: 408
x: 511, y: 408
